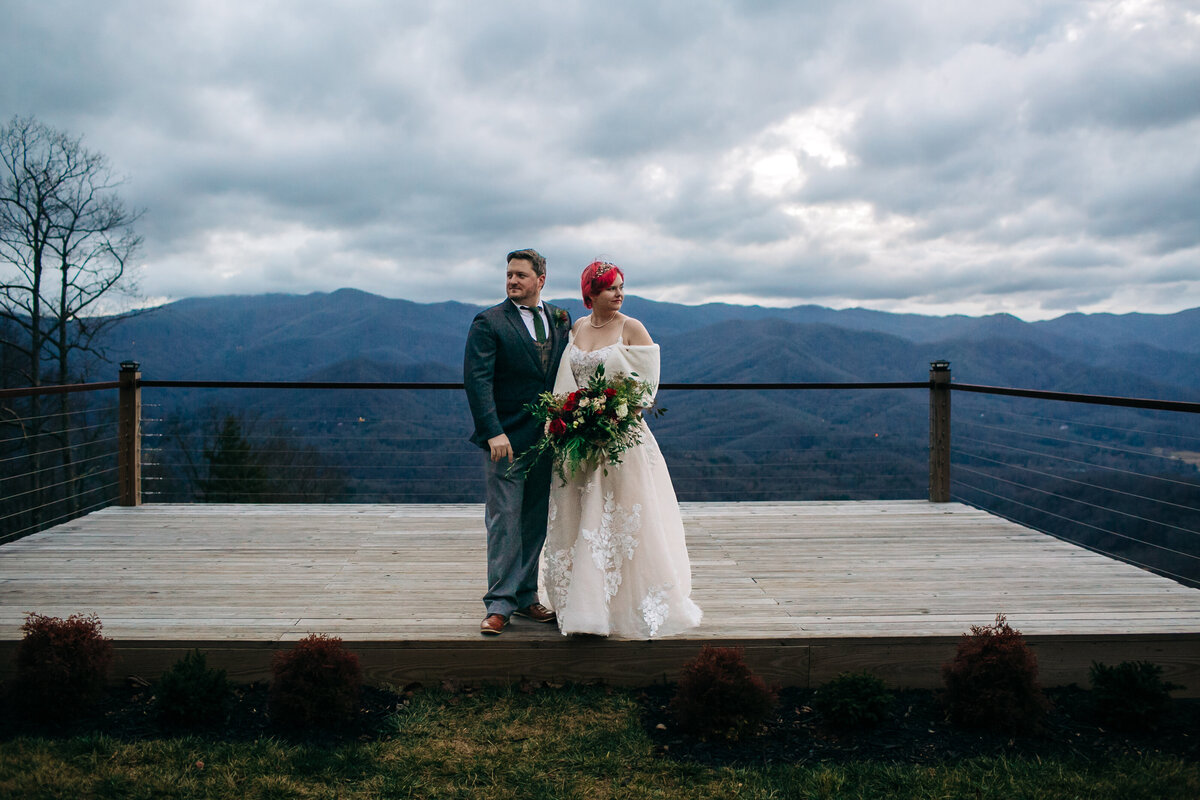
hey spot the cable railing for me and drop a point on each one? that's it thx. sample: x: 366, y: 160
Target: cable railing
x: 354, y: 448
x: 1122, y: 479
x: 1117, y: 475
x: 58, y: 460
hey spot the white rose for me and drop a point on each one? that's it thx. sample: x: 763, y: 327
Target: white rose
x: 622, y: 411
x: 585, y: 402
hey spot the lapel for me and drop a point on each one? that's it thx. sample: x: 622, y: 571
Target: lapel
x: 513, y: 314
x: 552, y: 331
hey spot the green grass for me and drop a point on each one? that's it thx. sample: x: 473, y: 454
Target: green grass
x: 502, y: 743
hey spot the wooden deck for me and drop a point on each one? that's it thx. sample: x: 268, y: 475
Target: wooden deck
x: 809, y: 589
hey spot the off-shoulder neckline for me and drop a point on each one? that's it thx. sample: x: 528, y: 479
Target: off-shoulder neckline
x: 620, y: 340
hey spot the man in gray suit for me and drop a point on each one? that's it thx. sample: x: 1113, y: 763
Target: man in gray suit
x: 512, y: 355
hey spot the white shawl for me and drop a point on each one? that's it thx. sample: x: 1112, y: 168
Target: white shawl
x: 641, y: 361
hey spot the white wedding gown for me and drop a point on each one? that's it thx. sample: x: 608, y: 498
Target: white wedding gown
x: 615, y: 563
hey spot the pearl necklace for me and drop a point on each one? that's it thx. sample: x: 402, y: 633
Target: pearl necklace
x: 594, y: 325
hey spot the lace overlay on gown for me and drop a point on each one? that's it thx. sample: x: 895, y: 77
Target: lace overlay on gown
x: 615, y: 562
x: 584, y: 362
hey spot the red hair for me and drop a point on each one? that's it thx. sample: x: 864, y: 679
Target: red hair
x: 598, y: 276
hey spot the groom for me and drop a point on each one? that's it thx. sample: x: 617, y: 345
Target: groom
x: 512, y: 355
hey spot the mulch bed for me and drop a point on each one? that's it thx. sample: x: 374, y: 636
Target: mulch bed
x: 128, y: 713
x: 917, y: 732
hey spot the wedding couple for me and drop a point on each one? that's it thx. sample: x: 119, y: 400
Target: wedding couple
x: 609, y: 541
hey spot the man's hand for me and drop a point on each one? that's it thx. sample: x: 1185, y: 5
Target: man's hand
x: 501, y: 447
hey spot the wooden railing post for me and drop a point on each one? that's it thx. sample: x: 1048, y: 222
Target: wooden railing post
x: 939, y: 431
x: 129, y: 435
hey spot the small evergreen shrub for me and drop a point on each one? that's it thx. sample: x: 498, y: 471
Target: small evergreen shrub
x: 315, y: 684
x: 853, y: 700
x: 992, y: 680
x: 192, y: 694
x: 719, y: 696
x: 62, y: 666
x: 1131, y: 696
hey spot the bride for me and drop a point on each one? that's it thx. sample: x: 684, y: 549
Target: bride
x: 615, y: 563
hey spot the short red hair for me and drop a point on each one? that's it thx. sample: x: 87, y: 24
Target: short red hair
x: 597, y: 276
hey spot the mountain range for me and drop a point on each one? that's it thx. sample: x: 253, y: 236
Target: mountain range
x: 352, y: 335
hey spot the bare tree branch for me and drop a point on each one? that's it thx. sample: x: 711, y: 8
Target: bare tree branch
x: 67, y: 241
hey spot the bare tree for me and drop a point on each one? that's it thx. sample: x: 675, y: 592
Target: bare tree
x: 66, y: 242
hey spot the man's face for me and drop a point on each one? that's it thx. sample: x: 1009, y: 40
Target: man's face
x: 524, y: 286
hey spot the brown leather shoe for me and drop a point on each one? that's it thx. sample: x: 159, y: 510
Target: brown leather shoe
x: 536, y: 612
x: 493, y: 624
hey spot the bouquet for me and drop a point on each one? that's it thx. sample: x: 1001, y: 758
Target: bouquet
x: 591, y: 426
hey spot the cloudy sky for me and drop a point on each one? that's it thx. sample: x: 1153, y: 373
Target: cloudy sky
x: 1029, y: 157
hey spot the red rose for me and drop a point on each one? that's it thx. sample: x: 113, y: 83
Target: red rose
x: 572, y: 402
x: 557, y: 427
x: 610, y: 392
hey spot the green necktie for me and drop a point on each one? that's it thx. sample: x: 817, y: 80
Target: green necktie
x: 539, y: 327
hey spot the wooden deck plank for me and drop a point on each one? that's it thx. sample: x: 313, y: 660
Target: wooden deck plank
x: 810, y: 586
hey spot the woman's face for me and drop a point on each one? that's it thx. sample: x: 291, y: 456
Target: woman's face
x: 609, y: 300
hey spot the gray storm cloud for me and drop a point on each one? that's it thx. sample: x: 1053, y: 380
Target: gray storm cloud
x: 1033, y: 158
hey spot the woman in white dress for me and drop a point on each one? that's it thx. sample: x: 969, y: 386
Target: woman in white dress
x: 615, y: 563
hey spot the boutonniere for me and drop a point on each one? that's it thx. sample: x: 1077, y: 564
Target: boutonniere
x: 560, y: 317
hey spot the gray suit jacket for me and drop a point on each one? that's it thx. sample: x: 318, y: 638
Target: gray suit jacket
x: 502, y: 372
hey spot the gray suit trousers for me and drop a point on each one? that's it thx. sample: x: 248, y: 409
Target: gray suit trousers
x: 515, y: 516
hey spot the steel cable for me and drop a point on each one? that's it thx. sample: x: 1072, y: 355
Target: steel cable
x: 1073, y: 480
x: 1099, y: 551
x: 1067, y: 441
x: 1077, y: 522
x: 1077, y: 461
x: 1076, y: 500
x: 70, y: 515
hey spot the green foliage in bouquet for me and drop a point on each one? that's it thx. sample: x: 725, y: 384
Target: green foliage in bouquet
x: 190, y: 693
x: 590, y: 427
x: 853, y: 700
x: 1132, y: 696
